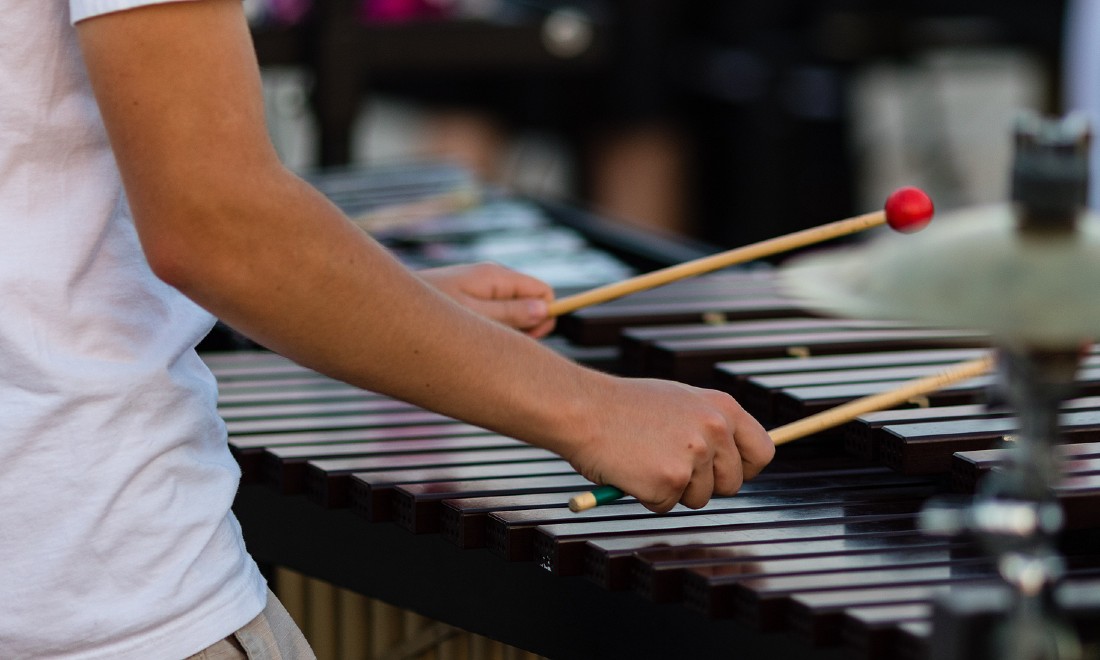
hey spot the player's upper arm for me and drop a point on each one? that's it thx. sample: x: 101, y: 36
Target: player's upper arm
x: 180, y: 93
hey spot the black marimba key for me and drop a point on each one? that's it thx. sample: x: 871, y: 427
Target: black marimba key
x: 760, y: 394
x: 311, y: 409
x: 468, y: 516
x: 334, y: 422
x: 968, y: 467
x: 730, y: 374
x: 730, y: 283
x: 818, y: 616
x: 794, y: 403
x: 870, y: 632
x: 671, y: 305
x: 603, y: 358
x: 1079, y: 496
x: 739, y: 378
x: 900, y: 369
x: 285, y: 467
x: 461, y: 515
x: 249, y: 449
x: 972, y: 620
x: 604, y: 326
x: 797, y: 402
x: 1078, y: 492
x: 693, y: 361
x: 609, y: 561
x: 327, y: 480
x: 928, y: 447
x: 656, y: 574
x: 776, y: 489
x: 512, y: 532
x: 371, y: 494
x: 779, y: 478
x: 256, y: 366
x: 562, y: 544
x: 421, y: 507
x: 219, y: 359
x: 636, y: 344
x: 304, y: 381
x: 774, y: 482
x: 314, y: 392
x: 761, y: 602
x: 863, y: 436
x: 911, y: 641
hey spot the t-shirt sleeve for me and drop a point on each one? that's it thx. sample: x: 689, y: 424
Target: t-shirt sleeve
x: 81, y: 9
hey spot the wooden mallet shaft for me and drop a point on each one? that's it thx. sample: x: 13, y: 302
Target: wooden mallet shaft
x: 714, y: 262
x: 847, y: 412
x: 833, y: 417
x: 906, y: 210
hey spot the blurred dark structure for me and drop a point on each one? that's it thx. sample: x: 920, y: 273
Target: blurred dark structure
x: 757, y: 88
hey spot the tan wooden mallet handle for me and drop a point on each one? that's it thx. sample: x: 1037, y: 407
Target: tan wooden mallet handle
x: 847, y: 412
x: 907, y: 210
x: 834, y: 416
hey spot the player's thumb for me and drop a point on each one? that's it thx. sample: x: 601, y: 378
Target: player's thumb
x: 520, y: 313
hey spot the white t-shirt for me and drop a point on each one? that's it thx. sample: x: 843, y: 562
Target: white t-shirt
x: 116, y: 536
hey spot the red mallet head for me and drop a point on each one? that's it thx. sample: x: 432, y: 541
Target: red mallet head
x: 908, y: 210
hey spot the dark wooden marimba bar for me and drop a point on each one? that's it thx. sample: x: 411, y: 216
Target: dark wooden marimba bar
x: 821, y: 556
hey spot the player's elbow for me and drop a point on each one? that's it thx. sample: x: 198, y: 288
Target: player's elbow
x: 186, y: 239
x: 175, y: 259
x: 193, y: 232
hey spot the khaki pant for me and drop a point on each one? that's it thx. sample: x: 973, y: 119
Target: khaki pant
x: 272, y: 635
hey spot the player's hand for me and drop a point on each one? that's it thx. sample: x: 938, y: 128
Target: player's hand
x: 511, y: 298
x: 667, y: 443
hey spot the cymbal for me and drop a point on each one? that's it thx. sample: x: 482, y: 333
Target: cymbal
x: 970, y: 269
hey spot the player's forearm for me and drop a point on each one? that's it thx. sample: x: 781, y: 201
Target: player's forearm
x: 272, y: 258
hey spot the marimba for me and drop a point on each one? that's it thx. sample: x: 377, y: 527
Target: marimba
x: 821, y: 555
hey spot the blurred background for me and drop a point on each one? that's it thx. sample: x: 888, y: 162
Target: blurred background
x: 727, y: 121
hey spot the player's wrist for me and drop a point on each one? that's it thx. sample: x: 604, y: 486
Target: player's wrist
x: 575, y: 417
